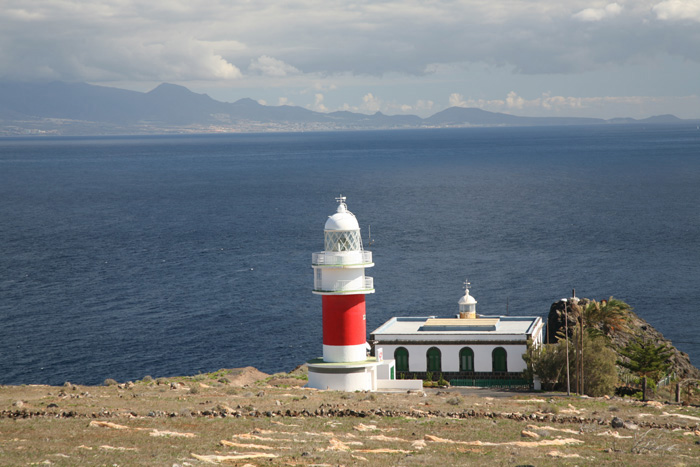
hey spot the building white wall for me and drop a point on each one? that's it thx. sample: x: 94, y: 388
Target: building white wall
x: 384, y: 369
x: 483, y: 361
x: 361, y: 381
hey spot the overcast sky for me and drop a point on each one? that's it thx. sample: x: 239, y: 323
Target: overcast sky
x: 526, y: 57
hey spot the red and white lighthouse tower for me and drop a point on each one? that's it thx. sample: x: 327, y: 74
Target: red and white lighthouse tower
x: 339, y: 276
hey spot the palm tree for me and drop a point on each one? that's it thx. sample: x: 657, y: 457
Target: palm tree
x: 605, y: 317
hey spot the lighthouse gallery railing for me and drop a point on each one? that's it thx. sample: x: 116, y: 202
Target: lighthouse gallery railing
x: 334, y: 259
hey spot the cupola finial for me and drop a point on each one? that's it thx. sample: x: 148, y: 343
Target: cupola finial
x: 342, y: 207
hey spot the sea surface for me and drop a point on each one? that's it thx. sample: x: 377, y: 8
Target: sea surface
x: 123, y: 257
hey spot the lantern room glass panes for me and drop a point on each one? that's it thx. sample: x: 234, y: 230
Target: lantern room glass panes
x: 466, y: 359
x: 401, y: 357
x: 499, y: 359
x: 345, y: 240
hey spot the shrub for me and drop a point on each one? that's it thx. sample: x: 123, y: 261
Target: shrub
x: 110, y: 382
x: 194, y: 390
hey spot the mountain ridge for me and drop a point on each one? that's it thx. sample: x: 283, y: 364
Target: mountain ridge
x: 85, y: 109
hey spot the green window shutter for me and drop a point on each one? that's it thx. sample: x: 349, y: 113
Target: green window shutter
x: 434, y: 359
x: 499, y: 359
x: 466, y: 359
x: 401, y: 357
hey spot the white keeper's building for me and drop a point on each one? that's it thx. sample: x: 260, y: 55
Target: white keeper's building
x: 466, y: 349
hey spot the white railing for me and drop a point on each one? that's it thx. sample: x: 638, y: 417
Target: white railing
x: 334, y: 259
x: 366, y: 283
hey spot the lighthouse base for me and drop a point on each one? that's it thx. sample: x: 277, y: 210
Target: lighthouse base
x: 355, y: 376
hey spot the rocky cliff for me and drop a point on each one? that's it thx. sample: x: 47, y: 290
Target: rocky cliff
x: 634, y: 327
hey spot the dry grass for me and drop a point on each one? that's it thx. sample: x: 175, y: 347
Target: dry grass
x: 164, y: 422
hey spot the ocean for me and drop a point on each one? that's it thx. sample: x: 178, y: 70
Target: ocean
x: 122, y: 257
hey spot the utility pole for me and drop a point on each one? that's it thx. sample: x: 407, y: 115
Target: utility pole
x: 566, y: 332
x: 581, y: 350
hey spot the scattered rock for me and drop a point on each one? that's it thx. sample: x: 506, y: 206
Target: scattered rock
x: 529, y: 434
x: 117, y: 448
x: 617, y: 422
x: 631, y: 426
x: 18, y: 404
x: 100, y: 424
x: 172, y: 434
x: 560, y: 455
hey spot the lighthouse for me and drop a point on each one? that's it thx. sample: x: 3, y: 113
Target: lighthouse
x: 339, y: 277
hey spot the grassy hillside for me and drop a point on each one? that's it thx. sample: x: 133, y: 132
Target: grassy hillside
x: 243, y: 417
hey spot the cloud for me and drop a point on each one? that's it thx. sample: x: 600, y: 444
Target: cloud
x: 678, y: 10
x: 457, y: 100
x: 513, y: 101
x: 424, y: 105
x: 318, y: 104
x: 370, y: 103
x: 593, y: 106
x: 312, y: 47
x: 599, y: 14
x: 175, y: 39
x: 272, y: 67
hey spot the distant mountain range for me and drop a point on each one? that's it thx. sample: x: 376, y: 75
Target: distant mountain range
x: 83, y: 109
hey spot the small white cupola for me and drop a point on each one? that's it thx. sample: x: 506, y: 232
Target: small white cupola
x: 467, y: 304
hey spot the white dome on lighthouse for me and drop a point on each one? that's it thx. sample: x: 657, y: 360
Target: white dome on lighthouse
x: 467, y: 299
x: 342, y: 220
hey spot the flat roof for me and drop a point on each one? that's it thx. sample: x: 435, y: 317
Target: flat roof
x: 481, y: 325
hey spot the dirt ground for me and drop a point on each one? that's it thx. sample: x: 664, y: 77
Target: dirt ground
x: 244, y: 417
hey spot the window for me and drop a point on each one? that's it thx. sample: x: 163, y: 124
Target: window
x: 318, y: 280
x: 434, y: 359
x: 499, y: 359
x: 401, y: 357
x: 466, y: 359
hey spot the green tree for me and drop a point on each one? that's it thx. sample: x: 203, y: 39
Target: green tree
x: 646, y: 359
x: 599, y: 372
x: 547, y: 362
